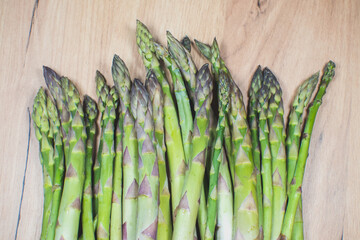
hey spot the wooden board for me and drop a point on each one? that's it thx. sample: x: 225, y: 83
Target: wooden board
x: 293, y: 38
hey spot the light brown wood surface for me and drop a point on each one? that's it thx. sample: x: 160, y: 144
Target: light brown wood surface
x: 293, y: 38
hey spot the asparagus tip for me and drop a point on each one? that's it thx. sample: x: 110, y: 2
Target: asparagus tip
x: 50, y: 76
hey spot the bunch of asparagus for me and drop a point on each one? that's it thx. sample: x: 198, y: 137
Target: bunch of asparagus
x: 177, y: 158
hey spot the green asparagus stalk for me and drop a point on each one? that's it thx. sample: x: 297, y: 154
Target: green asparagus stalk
x: 224, y: 91
x: 70, y: 206
x: 225, y: 209
x: 90, y: 113
x: 102, y: 92
x: 182, y: 99
x: 173, y: 141
x: 187, y: 209
x: 130, y: 169
x: 116, y: 208
x: 148, y: 198
x: 164, y: 230
x: 296, y: 182
x: 277, y: 149
x: 184, y: 60
x: 246, y: 216
x: 257, y: 79
x: 106, y: 168
x: 59, y: 166
x: 266, y: 173
x: 202, y: 215
x: 295, y: 121
x: 42, y: 128
x: 298, y: 229
x: 122, y: 82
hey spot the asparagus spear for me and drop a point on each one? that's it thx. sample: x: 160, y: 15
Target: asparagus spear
x: 182, y: 99
x: 173, y: 141
x: 164, y: 230
x: 185, y: 117
x: 58, y: 164
x: 253, y: 125
x: 70, y: 207
x: 90, y: 113
x: 183, y: 59
x: 246, y: 219
x: 224, y: 90
x: 277, y: 149
x: 42, y: 128
x: 102, y: 92
x: 225, y: 210
x: 296, y: 182
x: 188, y: 207
x: 147, y: 221
x: 106, y: 167
x: 266, y: 174
x: 122, y: 82
x: 116, y: 208
x: 295, y: 121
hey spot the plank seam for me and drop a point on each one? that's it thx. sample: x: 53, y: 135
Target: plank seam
x: 31, y: 23
x: 24, y: 177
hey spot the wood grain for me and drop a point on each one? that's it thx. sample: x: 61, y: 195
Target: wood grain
x: 293, y: 38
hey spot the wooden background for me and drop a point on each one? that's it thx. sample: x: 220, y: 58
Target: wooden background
x: 293, y: 38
